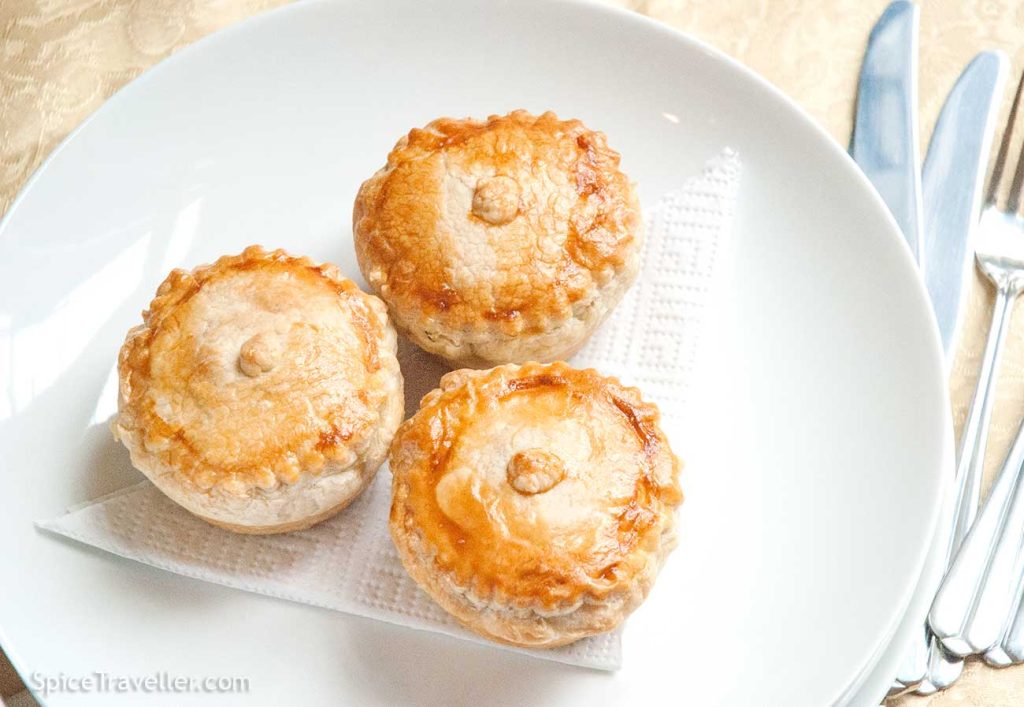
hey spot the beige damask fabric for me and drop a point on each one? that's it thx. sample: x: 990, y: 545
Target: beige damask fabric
x: 60, y: 59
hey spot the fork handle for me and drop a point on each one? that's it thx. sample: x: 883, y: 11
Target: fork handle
x: 971, y: 459
x: 976, y: 596
x: 1010, y: 650
x: 996, y: 597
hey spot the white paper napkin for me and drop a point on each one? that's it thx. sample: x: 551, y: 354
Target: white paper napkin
x: 349, y: 563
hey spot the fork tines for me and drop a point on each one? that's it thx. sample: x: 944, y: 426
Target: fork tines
x: 1013, y: 202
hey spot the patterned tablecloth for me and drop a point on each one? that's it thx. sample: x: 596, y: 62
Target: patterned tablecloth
x: 59, y: 59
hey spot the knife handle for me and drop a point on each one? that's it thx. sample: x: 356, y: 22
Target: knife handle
x: 914, y: 667
x: 943, y: 669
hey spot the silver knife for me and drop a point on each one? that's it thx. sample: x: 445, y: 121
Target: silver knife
x: 885, y: 141
x: 954, y: 172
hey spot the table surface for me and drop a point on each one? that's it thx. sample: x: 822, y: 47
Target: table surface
x: 60, y: 61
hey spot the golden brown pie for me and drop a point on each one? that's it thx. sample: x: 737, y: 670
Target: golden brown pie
x: 260, y: 392
x: 535, y: 503
x: 498, y: 241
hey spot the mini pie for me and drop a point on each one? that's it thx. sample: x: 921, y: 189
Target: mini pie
x: 501, y: 241
x: 261, y: 392
x: 534, y: 503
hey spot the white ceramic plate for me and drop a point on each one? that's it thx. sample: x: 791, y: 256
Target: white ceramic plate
x: 799, y: 552
x: 871, y: 689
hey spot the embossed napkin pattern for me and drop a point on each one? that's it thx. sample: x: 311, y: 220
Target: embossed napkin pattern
x: 348, y: 563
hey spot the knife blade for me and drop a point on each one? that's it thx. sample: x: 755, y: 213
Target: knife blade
x: 952, y: 181
x: 885, y: 143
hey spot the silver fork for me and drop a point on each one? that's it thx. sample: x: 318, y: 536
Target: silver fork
x: 977, y: 594
x: 999, y: 254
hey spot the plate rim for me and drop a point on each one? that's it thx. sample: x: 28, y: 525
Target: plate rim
x: 811, y: 127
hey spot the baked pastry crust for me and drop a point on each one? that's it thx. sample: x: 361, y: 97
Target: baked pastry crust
x: 534, y: 503
x: 260, y: 392
x: 498, y: 241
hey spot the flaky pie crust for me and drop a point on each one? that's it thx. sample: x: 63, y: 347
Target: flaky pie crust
x: 534, y: 503
x: 260, y: 392
x: 497, y: 241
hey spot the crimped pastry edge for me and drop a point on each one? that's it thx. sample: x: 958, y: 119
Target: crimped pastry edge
x: 529, y: 626
x: 518, y: 623
x: 315, y: 495
x: 481, y: 349
x: 479, y: 344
